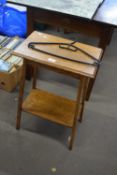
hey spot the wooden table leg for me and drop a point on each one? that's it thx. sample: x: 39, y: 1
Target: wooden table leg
x: 30, y: 29
x: 30, y: 21
x: 35, y: 71
x: 110, y: 35
x: 83, y: 98
x: 79, y: 101
x: 105, y: 37
x: 21, y: 92
x: 89, y: 89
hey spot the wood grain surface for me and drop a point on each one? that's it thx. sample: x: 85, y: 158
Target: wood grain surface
x: 55, y: 62
x: 50, y: 107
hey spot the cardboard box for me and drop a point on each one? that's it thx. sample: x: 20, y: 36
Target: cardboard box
x: 9, y: 80
x: 10, y: 65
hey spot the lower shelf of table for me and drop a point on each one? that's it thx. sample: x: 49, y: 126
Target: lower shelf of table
x: 50, y: 107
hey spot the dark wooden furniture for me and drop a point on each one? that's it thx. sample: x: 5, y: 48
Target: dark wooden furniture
x: 47, y: 105
x: 100, y: 26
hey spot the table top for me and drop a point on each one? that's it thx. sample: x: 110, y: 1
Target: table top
x: 59, y: 63
x: 106, y: 13
x: 73, y: 7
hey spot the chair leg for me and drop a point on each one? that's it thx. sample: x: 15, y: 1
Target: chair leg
x: 20, y: 99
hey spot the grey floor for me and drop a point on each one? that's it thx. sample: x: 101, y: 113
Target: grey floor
x: 39, y: 146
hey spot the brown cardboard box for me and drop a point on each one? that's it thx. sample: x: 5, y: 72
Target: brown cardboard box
x: 9, y: 80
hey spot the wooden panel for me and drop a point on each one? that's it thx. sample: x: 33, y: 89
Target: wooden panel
x: 67, y: 21
x: 51, y: 107
x: 45, y: 59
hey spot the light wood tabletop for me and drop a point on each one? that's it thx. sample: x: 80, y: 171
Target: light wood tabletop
x: 59, y: 63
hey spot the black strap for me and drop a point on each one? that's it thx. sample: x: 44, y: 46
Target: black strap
x: 68, y: 46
